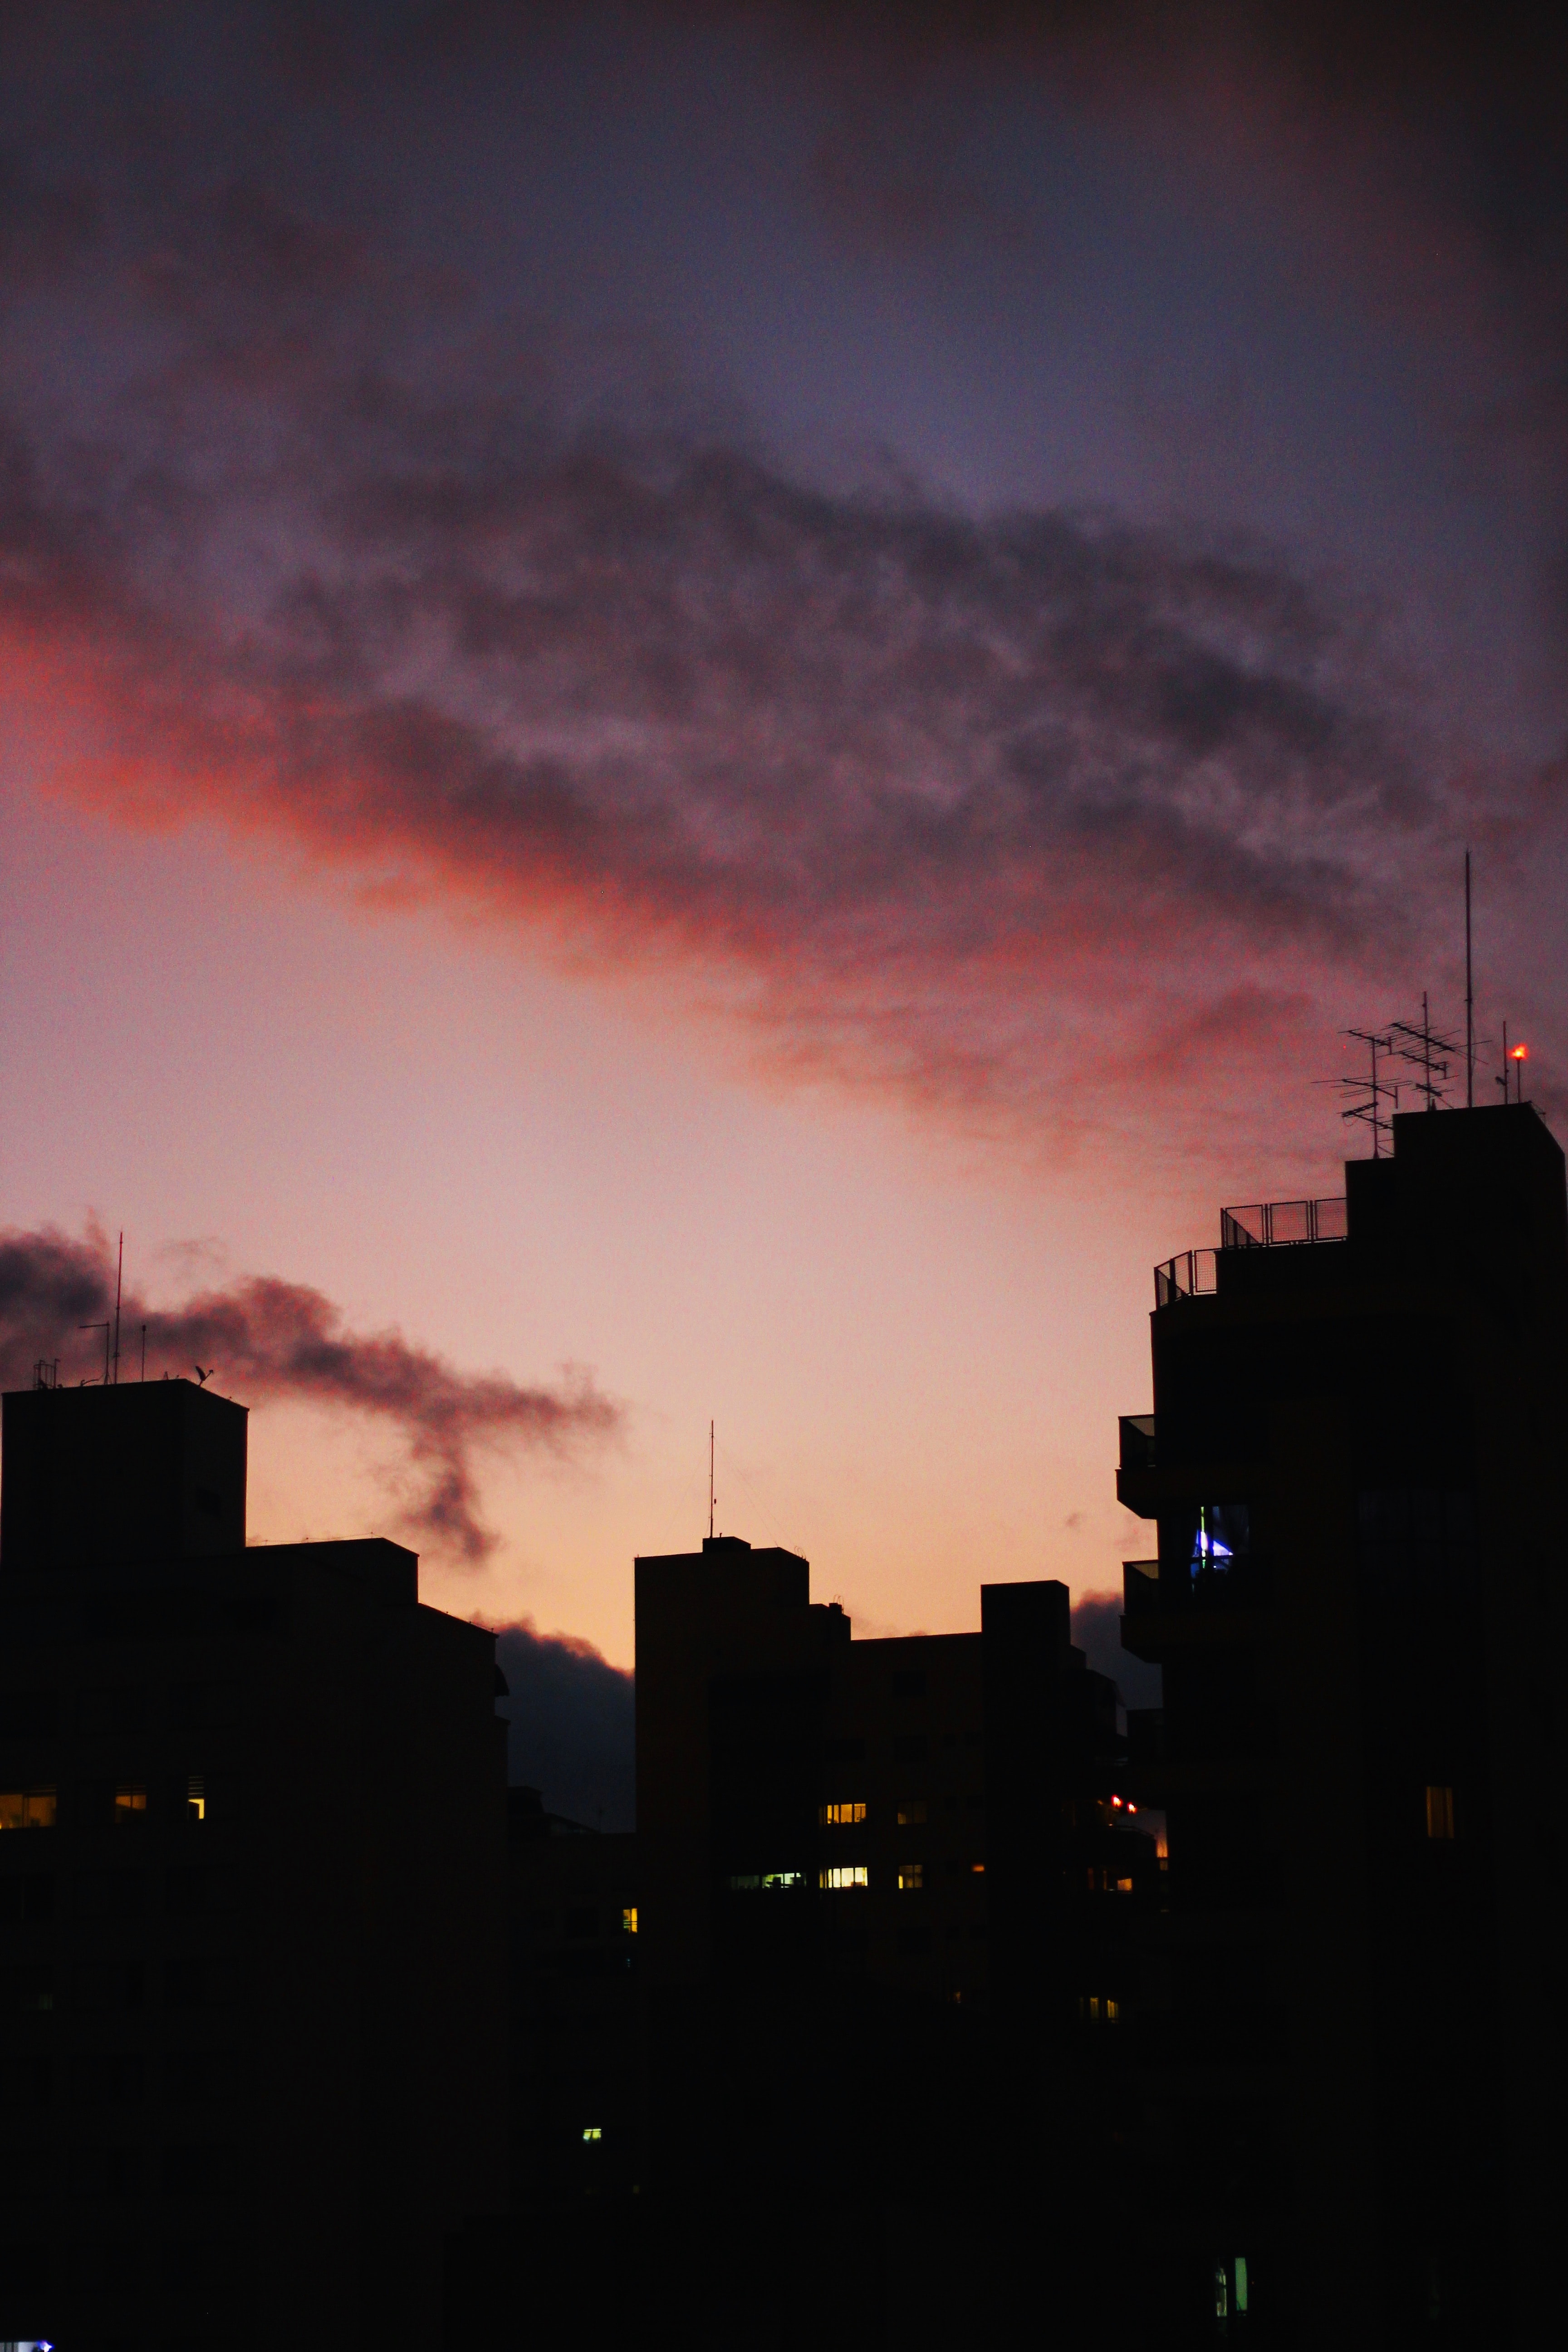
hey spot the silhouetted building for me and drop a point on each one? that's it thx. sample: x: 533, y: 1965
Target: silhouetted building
x: 577, y: 2109
x: 1350, y: 2028
x: 886, y: 1897
x: 251, y: 1901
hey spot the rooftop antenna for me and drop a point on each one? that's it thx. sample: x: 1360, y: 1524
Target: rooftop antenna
x: 1375, y: 1090
x: 1502, y: 1081
x: 119, y: 1279
x: 709, y: 1482
x: 106, y: 1329
x: 1518, y: 1057
x: 1469, y: 1000
x: 1422, y: 1045
x: 144, y: 1351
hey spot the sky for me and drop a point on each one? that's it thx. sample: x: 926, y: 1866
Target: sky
x: 712, y: 712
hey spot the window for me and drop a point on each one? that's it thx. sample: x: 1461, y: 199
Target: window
x: 592, y: 2131
x: 760, y: 1880
x: 911, y: 1877
x: 27, y: 1809
x: 1097, y: 2009
x: 835, y: 1880
x: 841, y: 1813
x: 629, y: 1919
x: 28, y: 1897
x: 1439, y: 1811
x: 25, y: 1988
x: 1222, y: 1536
x: 130, y: 1801
x: 911, y: 1812
x: 196, y: 1798
x: 1229, y: 2286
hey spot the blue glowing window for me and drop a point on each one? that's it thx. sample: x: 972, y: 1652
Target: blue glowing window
x: 1222, y: 1538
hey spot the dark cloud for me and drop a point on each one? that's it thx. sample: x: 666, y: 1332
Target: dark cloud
x: 574, y: 1727
x: 994, y: 811
x: 269, y: 1339
x: 1097, y: 1630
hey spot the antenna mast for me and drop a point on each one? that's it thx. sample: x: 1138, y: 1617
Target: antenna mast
x: 1469, y: 1000
x: 1375, y: 1091
x: 1429, y: 1053
x: 119, y: 1279
x: 709, y: 1482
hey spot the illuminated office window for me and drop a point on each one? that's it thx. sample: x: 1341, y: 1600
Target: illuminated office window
x: 1095, y: 2009
x: 27, y: 1809
x: 840, y: 1814
x: 848, y: 1874
x: 196, y: 1798
x: 911, y: 1812
x: 592, y: 2131
x: 911, y: 1876
x: 1439, y: 1811
x: 130, y: 1802
x: 751, y: 1882
x: 629, y: 1919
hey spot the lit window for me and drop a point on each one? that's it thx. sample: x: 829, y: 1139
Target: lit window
x: 1098, y: 2010
x: 911, y: 1876
x: 1229, y: 2286
x: 912, y: 1813
x: 1241, y: 2281
x: 1223, y: 1535
x: 592, y: 2131
x: 196, y: 1798
x: 839, y: 1816
x: 978, y: 1868
x: 1439, y: 1812
x: 1124, y: 1886
x: 27, y: 1809
x: 749, y: 1882
x: 629, y: 1919
x: 129, y: 1803
x: 849, y: 1874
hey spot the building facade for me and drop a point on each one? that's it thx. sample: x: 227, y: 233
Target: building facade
x: 251, y: 1901
x: 1348, y: 2026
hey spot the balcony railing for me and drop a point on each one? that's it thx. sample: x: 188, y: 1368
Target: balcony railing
x: 1259, y: 1224
x: 1137, y: 1441
x: 1280, y: 1224
x: 1186, y: 1275
x: 1140, y: 1587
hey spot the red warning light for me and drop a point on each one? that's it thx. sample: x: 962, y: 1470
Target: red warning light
x: 1519, y: 1054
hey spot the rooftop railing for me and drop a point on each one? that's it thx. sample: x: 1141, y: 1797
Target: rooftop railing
x: 1258, y: 1224
x: 1280, y: 1224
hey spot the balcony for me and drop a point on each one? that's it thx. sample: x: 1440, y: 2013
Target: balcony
x: 1137, y: 1441
x: 1283, y: 1224
x: 1140, y: 1587
x: 1256, y: 1224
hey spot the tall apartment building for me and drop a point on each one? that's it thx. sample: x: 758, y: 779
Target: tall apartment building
x: 251, y: 1901
x: 1351, y: 2036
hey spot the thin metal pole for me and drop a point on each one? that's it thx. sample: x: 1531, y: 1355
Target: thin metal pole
x: 119, y: 1279
x: 144, y: 1351
x: 1469, y: 1000
x: 711, y: 1482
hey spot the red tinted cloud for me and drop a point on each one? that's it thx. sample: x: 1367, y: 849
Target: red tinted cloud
x: 1007, y: 814
x: 269, y: 1339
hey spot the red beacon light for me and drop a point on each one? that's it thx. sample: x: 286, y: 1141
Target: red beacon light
x: 1519, y: 1054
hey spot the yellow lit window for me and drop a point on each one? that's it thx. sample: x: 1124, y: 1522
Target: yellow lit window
x: 592, y: 2131
x: 27, y: 1809
x: 911, y: 1876
x: 196, y: 1798
x: 629, y: 1919
x: 978, y: 1868
x: 1124, y: 1886
x: 912, y: 1813
x: 840, y: 1815
x: 836, y: 1880
x: 1439, y: 1812
x: 129, y: 1803
x: 1099, y: 2010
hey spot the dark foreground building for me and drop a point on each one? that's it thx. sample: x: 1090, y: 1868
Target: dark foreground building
x: 251, y: 1901
x: 1351, y: 2029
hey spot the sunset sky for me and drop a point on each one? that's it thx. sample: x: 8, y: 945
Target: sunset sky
x: 711, y: 711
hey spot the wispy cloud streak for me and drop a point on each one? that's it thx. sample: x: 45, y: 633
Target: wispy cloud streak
x: 272, y: 1341
x: 994, y: 811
